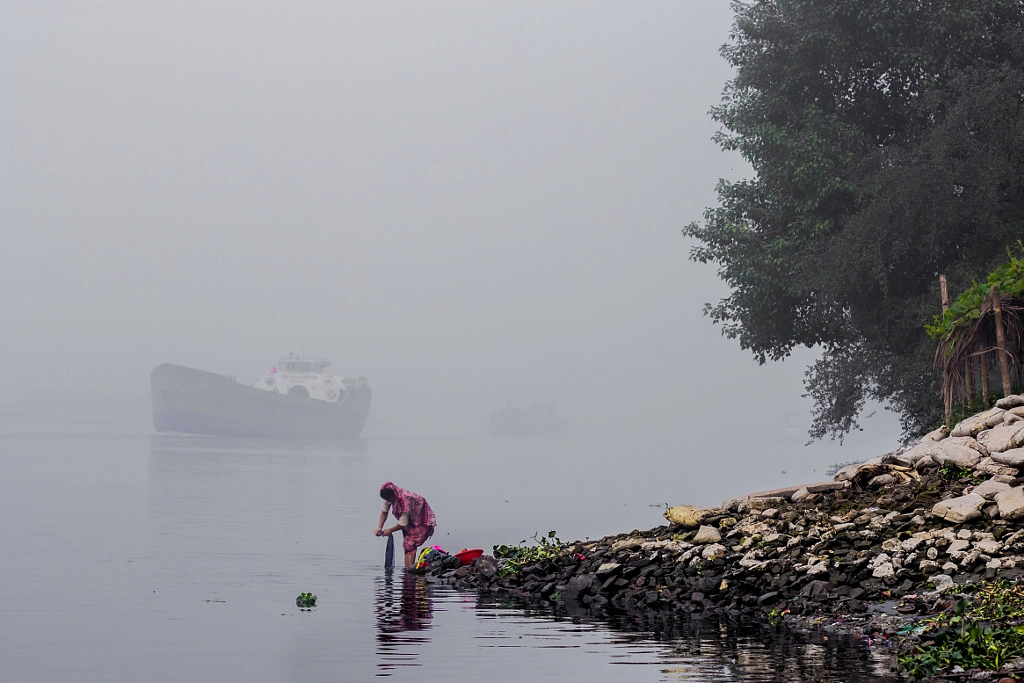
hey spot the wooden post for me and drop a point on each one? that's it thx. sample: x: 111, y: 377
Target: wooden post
x: 945, y: 292
x: 1004, y: 365
x: 985, y: 380
x: 969, y: 379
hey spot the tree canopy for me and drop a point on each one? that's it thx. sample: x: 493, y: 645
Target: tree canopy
x: 887, y: 140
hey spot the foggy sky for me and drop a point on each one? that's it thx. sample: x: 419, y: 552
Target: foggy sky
x: 465, y: 202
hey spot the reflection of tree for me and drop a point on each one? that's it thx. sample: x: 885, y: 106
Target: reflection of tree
x: 398, y: 622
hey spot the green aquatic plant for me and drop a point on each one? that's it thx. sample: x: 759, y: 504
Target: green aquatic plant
x: 976, y: 632
x: 518, y: 556
x: 305, y: 600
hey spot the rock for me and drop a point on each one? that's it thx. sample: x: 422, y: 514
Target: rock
x: 910, y: 544
x: 963, y: 451
x: 988, y: 546
x: 817, y: 590
x: 882, y: 480
x: 1013, y: 457
x: 687, y: 516
x: 707, y: 534
x: 928, y: 567
x: 925, y: 463
x: 800, y: 495
x: 608, y: 568
x: 1011, y: 503
x: 847, y: 473
x: 486, y: 565
x: 989, y: 489
x: 758, y: 504
x: 1011, y: 401
x: 732, y: 504
x: 950, y: 568
x: 990, y: 466
x: 1002, y: 438
x: 770, y: 513
x: 826, y: 486
x: 942, y: 582
x: 978, y: 423
x: 883, y: 570
x: 937, y: 435
x: 627, y: 544
x: 775, y: 493
x: 962, y: 509
x: 958, y: 546
x: 713, y: 551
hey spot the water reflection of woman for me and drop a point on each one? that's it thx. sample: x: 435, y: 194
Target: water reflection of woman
x: 400, y: 625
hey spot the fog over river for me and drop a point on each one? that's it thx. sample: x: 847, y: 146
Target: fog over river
x: 163, y: 558
x: 466, y: 203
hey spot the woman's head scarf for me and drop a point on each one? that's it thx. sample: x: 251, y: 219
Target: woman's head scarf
x: 413, y: 504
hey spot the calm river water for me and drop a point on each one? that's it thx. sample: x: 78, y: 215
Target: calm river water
x: 136, y: 557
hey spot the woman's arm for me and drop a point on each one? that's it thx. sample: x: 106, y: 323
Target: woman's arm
x: 380, y: 525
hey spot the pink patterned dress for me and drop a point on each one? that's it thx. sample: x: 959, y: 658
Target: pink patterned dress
x: 421, y: 518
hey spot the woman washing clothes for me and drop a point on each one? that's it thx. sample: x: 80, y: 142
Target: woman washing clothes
x: 415, y: 519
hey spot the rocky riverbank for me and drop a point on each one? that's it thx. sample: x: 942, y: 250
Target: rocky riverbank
x: 900, y: 549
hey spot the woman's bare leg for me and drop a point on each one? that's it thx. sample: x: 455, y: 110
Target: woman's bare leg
x: 410, y: 559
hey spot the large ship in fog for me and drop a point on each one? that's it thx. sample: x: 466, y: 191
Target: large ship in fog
x: 296, y: 399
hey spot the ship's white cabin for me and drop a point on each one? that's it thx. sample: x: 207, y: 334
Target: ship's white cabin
x: 305, y: 377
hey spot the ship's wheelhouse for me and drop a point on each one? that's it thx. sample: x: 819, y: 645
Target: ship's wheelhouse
x: 304, y: 378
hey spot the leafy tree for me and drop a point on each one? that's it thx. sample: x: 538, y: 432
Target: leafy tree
x: 887, y: 137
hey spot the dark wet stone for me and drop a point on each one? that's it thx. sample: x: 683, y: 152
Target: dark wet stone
x: 768, y: 597
x: 817, y: 590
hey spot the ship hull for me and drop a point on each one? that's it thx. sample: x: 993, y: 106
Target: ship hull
x: 198, y: 402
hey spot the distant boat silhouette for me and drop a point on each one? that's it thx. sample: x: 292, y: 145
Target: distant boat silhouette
x: 539, y: 420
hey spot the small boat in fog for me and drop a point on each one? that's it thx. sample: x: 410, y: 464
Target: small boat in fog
x: 539, y: 420
x: 296, y: 399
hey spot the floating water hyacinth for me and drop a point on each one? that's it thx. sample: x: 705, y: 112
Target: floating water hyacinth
x: 305, y: 600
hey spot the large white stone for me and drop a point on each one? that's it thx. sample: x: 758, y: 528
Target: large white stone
x: 991, y: 466
x: 988, y: 546
x: 964, y: 451
x: 1011, y: 503
x: 688, y: 516
x: 1011, y: 401
x: 962, y: 509
x: 978, y: 423
x: 1002, y: 438
x: 1013, y: 457
x: 989, y: 489
x: 707, y: 534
